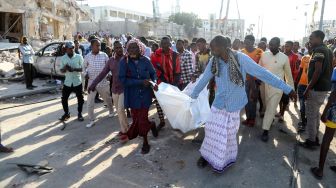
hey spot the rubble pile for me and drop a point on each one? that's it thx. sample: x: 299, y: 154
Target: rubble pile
x: 9, y: 63
x: 9, y: 57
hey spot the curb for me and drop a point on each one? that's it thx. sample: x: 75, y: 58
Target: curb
x: 28, y: 92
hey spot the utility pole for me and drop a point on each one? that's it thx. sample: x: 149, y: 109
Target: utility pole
x: 226, y: 17
x: 220, y: 16
x: 321, y: 18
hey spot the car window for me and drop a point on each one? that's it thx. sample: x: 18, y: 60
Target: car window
x: 61, y: 50
x: 50, y: 50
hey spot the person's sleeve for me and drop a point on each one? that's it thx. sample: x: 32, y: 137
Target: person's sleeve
x: 106, y: 58
x: 81, y: 61
x: 32, y: 50
x: 207, y: 75
x: 86, y: 64
x: 152, y: 72
x: 318, y: 55
x: 333, y: 80
x: 102, y: 74
x: 123, y: 76
x: 178, y: 64
x: 189, y: 65
x: 288, y: 73
x: 23, y: 52
x: 62, y: 62
x: 262, y: 74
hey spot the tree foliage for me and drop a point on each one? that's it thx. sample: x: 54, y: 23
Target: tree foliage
x: 190, y: 21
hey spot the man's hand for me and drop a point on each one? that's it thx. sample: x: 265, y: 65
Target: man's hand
x: 146, y: 83
x: 193, y: 79
x: 324, y: 116
x: 91, y: 88
x: 306, y: 93
x: 156, y: 87
x: 69, y: 68
x: 293, y: 95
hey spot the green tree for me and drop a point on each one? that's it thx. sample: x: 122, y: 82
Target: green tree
x: 190, y: 21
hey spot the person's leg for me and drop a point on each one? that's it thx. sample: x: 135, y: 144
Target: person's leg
x: 282, y: 105
x: 271, y: 106
x: 31, y: 74
x: 302, y: 124
x: 160, y: 113
x: 105, y: 93
x: 144, y: 127
x: 327, y: 138
x: 90, y: 104
x: 98, y: 99
x: 80, y: 99
x: 133, y: 131
x: 247, y: 106
x: 4, y: 149
x: 313, y: 104
x: 232, y: 146
x: 66, y: 91
x: 86, y: 83
x: 263, y: 100
x: 253, y: 105
x: 26, y: 74
x: 321, y: 96
x: 119, y: 104
x: 301, y: 90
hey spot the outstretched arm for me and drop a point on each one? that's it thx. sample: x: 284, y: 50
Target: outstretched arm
x: 261, y: 73
x: 203, y: 82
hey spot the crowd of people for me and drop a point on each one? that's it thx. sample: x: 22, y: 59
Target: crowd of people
x: 126, y: 71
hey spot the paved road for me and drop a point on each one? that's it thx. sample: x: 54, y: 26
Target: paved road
x: 94, y: 158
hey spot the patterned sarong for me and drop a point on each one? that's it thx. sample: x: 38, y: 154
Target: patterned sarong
x: 219, y: 146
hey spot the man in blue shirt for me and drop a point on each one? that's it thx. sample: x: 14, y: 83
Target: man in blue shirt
x: 229, y: 68
x: 71, y: 65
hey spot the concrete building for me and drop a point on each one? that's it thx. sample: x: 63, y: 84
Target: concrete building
x: 328, y: 27
x: 233, y: 28
x: 39, y: 19
x: 109, y: 13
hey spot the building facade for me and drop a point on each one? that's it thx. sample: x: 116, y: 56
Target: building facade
x: 109, y: 13
x: 39, y: 19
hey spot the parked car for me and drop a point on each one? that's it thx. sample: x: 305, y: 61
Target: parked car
x: 48, y: 59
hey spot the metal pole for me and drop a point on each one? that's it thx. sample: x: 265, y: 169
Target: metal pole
x: 226, y: 17
x: 321, y: 18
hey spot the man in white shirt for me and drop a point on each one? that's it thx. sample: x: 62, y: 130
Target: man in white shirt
x: 95, y: 62
x: 27, y: 54
x: 277, y: 63
x: 148, y: 50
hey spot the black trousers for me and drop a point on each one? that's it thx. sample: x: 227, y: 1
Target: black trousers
x: 28, y: 72
x: 78, y: 90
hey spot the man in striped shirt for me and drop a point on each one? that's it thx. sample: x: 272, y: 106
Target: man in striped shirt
x: 95, y: 62
x: 186, y: 64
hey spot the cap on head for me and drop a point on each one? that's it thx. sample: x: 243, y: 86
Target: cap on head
x: 69, y: 44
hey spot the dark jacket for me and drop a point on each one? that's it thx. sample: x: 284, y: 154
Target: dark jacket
x: 132, y: 75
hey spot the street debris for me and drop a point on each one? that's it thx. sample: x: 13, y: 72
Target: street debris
x: 31, y: 169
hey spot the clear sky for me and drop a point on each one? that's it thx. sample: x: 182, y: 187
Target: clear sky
x: 282, y: 18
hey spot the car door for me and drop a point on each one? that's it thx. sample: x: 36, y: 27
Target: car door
x: 59, y: 55
x: 46, y: 58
